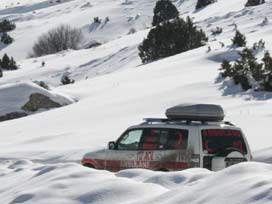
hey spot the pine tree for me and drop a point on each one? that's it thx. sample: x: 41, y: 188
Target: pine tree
x: 267, y: 76
x: 254, y: 2
x: 12, y: 64
x: 170, y: 38
x: 6, y: 39
x: 5, y: 62
x: 227, y: 69
x: 66, y: 80
x: 243, y: 67
x: 239, y: 39
x: 6, y: 26
x: 8, y: 63
x: 202, y: 3
x: 97, y: 20
x: 256, y: 69
x: 164, y: 11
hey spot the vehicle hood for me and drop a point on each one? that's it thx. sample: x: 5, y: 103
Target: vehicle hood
x: 98, y: 154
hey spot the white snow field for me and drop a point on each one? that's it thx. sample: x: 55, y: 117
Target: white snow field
x: 40, y: 153
x: 70, y: 183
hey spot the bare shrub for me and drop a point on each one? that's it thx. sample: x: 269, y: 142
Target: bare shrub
x: 61, y: 38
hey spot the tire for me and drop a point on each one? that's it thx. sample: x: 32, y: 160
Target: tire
x: 227, y: 151
x: 227, y: 157
x: 89, y: 165
x: 163, y: 170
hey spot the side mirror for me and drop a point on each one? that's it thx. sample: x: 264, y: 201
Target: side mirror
x: 111, y: 145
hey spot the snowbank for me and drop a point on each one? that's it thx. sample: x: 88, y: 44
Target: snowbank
x: 15, y: 95
x: 32, y: 183
x: 264, y: 155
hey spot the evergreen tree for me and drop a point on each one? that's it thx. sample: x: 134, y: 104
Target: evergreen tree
x: 12, y: 64
x: 239, y: 39
x: 202, y: 3
x: 164, y: 11
x: 65, y: 79
x: 5, y: 62
x: 6, y: 39
x: 6, y: 26
x: 97, y: 20
x: 254, y: 2
x: 242, y: 68
x: 247, y: 68
x: 267, y: 76
x: 255, y: 68
x: 227, y: 69
x: 8, y: 63
x: 170, y: 38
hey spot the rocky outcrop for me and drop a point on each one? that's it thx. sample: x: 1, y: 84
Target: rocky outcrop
x: 36, y: 101
x: 39, y: 101
x: 11, y: 116
x: 26, y: 98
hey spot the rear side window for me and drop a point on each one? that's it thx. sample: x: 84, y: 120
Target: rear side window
x: 215, y: 140
x: 163, y: 139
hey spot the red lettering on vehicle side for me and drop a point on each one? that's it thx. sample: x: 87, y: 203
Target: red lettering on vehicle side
x: 221, y: 132
x: 145, y: 156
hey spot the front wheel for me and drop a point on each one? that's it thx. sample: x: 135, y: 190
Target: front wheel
x: 89, y: 165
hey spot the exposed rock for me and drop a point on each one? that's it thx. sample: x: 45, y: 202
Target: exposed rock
x: 26, y: 98
x: 92, y: 44
x: 11, y: 116
x: 38, y: 101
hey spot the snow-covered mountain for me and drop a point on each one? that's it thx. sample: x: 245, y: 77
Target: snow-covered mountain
x: 114, y: 90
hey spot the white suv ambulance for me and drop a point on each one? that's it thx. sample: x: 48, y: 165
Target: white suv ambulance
x: 192, y: 135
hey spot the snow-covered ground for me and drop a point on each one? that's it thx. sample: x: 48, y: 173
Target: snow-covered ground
x: 70, y: 183
x: 14, y: 96
x: 114, y: 90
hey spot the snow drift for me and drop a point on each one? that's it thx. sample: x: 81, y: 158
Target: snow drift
x: 18, y: 98
x: 32, y: 183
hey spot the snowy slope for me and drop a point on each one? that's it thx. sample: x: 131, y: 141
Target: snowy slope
x: 40, y: 16
x: 264, y: 155
x: 114, y: 90
x: 136, y: 90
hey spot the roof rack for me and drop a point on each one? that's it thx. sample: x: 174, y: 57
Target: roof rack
x: 168, y: 121
x: 228, y: 123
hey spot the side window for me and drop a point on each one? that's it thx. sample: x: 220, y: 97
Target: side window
x: 154, y: 139
x: 178, y: 139
x: 214, y: 140
x: 130, y: 141
x: 164, y: 139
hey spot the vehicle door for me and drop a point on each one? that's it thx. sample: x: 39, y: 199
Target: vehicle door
x: 217, y: 144
x: 164, y: 149
x: 124, y: 155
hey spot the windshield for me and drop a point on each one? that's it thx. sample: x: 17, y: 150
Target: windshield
x: 214, y: 140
